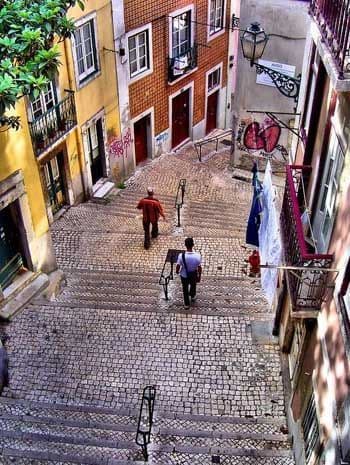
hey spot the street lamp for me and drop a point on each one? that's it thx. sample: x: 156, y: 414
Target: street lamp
x: 253, y: 41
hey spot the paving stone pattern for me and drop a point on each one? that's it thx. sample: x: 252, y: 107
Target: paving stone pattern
x: 79, y: 362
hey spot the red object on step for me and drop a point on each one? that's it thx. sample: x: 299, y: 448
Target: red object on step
x: 254, y: 262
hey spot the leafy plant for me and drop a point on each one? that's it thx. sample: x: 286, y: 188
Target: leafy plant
x: 29, y: 56
x: 121, y: 185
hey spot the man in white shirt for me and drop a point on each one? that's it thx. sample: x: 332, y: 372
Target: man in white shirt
x: 190, y: 269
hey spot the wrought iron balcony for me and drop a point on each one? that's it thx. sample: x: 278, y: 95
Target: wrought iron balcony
x: 53, y: 124
x: 182, y: 64
x: 333, y: 19
x: 307, y: 282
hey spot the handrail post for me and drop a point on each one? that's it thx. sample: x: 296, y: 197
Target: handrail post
x: 148, y: 395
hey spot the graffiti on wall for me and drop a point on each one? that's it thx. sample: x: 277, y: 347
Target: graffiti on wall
x: 262, y: 137
x: 119, y: 146
x: 162, y: 138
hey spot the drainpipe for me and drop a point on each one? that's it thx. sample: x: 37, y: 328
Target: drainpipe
x: 79, y: 148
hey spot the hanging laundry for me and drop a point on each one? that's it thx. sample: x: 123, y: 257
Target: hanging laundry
x: 254, y: 220
x: 269, y: 237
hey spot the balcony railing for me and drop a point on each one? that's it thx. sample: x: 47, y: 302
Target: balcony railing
x: 182, y: 64
x: 333, y: 19
x: 53, y: 124
x: 307, y: 282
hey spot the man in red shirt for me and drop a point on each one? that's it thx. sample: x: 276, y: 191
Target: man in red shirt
x: 151, y: 209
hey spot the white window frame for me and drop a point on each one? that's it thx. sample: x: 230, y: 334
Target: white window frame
x: 174, y: 14
x: 218, y: 86
x: 149, y: 69
x: 91, y: 73
x: 214, y: 34
x: 331, y: 179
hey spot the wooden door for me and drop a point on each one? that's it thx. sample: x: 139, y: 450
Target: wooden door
x: 140, y: 137
x: 180, y: 118
x: 53, y: 171
x: 212, y: 108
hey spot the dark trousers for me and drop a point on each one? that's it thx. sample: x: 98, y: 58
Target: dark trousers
x: 146, y: 228
x: 188, y: 288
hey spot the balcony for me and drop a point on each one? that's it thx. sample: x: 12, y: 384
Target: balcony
x: 53, y: 124
x: 333, y: 20
x: 306, y: 283
x: 180, y: 65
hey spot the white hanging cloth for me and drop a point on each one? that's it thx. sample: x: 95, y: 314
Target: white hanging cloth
x: 270, y: 248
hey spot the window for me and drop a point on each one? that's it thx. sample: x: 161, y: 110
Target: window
x: 331, y: 184
x: 311, y: 431
x: 214, y: 79
x: 138, y: 53
x: 85, y: 50
x: 181, y: 34
x: 216, y: 16
x: 45, y: 100
x: 327, y: 204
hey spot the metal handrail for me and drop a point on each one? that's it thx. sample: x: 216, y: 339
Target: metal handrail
x: 179, y: 201
x: 145, y: 422
x: 207, y: 140
x: 171, y: 257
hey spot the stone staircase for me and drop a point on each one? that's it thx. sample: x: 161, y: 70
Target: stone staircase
x: 37, y: 433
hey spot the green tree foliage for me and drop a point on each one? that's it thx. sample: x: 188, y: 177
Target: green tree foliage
x: 29, y: 55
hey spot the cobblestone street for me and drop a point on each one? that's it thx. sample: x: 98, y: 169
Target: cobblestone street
x: 111, y: 332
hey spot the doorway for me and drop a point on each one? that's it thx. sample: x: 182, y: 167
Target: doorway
x: 212, y: 111
x: 180, y: 118
x: 94, y: 146
x: 54, y: 180
x: 142, y: 129
x: 11, y: 253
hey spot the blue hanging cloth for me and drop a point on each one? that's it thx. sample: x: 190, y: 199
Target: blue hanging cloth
x: 254, y: 220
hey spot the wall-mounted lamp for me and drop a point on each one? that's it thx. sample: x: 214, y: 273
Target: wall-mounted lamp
x: 253, y: 41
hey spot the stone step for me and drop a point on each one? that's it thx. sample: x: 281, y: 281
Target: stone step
x: 66, y: 433
x: 92, y: 416
x: 12, y: 456
x: 99, y: 452
x: 237, y: 457
x: 91, y: 297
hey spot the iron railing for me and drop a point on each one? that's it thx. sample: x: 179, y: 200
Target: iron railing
x: 179, y: 201
x: 308, y: 274
x: 182, y: 64
x: 52, y: 125
x: 333, y: 19
x: 167, y: 273
x: 311, y: 431
x: 144, y: 425
x: 199, y: 144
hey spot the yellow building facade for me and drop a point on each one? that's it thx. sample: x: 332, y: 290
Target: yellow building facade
x: 66, y: 146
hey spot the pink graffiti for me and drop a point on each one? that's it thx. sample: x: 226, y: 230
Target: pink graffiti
x: 118, y: 147
x: 262, y: 136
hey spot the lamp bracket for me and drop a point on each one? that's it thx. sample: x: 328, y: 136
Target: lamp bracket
x: 288, y: 86
x: 273, y: 115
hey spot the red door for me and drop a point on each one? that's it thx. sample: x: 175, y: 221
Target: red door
x: 180, y: 118
x: 140, y: 136
x: 212, y: 108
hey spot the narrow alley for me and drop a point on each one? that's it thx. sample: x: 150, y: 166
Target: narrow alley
x: 79, y: 363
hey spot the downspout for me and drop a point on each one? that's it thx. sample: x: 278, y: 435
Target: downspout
x: 79, y: 148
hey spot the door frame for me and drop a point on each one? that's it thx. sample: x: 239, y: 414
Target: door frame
x: 212, y: 91
x: 190, y: 88
x: 106, y: 162
x: 150, y: 142
x: 12, y: 191
x: 66, y: 179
